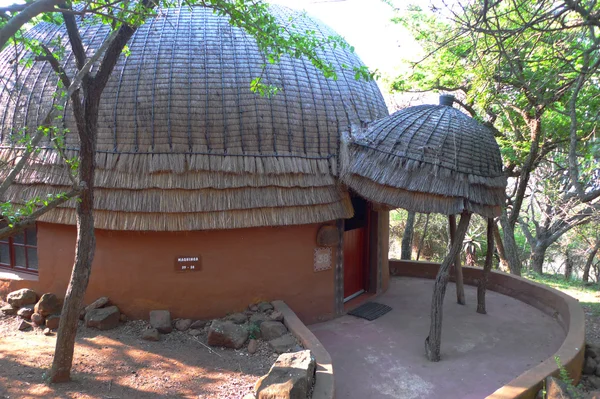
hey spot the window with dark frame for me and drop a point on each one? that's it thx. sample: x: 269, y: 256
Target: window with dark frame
x: 19, y: 252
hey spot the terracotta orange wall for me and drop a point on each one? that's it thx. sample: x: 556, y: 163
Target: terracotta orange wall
x: 239, y: 267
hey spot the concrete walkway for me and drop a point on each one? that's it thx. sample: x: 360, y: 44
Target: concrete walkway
x: 385, y: 358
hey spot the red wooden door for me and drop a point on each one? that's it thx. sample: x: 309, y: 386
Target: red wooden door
x: 355, y: 245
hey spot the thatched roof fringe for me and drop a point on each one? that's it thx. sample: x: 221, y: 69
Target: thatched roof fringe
x: 417, y: 201
x: 178, y: 201
x: 56, y: 175
x: 285, y: 216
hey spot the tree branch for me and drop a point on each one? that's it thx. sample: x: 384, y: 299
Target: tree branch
x: 25, y: 13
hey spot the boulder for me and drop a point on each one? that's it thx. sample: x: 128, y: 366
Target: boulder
x: 9, y: 310
x: 161, y: 320
x: 283, y: 344
x: 151, y: 334
x: 258, y: 318
x: 556, y: 389
x: 48, y: 304
x: 227, y: 334
x: 252, y: 346
x: 183, y: 324
x: 25, y: 312
x: 597, y: 371
x: 194, y: 333
x: 594, y: 381
x: 272, y: 329
x: 103, y: 318
x: 37, y: 319
x: 276, y: 316
x: 291, y: 377
x: 589, y: 366
x: 592, y: 351
x: 198, y: 324
x: 23, y: 326
x: 237, y: 318
x: 52, y: 321
x: 253, y: 308
x: 21, y: 297
x: 264, y: 306
x: 97, y: 304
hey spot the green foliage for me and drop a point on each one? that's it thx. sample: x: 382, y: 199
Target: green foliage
x: 253, y: 330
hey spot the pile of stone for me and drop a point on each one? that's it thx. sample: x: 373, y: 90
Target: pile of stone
x: 42, y: 313
x: 45, y: 312
x: 590, y: 379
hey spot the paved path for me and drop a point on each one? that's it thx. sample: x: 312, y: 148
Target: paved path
x: 385, y: 358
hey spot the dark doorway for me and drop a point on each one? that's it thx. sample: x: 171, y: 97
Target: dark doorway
x: 356, y: 250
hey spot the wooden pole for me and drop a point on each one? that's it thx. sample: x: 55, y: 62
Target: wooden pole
x: 433, y: 341
x: 460, y: 289
x: 486, y: 268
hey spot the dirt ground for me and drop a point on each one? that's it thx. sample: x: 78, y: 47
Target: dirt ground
x: 118, y: 364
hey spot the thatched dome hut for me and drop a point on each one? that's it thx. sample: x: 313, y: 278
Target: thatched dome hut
x: 192, y: 164
x: 428, y: 159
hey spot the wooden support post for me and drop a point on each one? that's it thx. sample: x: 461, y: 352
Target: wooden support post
x: 433, y: 341
x: 460, y: 289
x: 486, y: 268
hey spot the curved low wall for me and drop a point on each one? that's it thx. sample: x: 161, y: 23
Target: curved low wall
x: 550, y: 301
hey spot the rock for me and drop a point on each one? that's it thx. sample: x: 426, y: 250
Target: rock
x: 556, y: 389
x: 272, y: 329
x: 589, y: 367
x: 123, y: 318
x: 37, y: 319
x: 253, y: 308
x: 97, y: 304
x: 9, y: 310
x: 328, y: 236
x: 252, y: 346
x: 592, y: 351
x: 276, y: 316
x: 198, y: 324
x: 151, y: 334
x: 161, y: 320
x: 227, y: 334
x: 291, y: 377
x: 594, y: 381
x: 48, y: 304
x: 248, y: 313
x: 283, y: 344
x: 183, y: 324
x: 103, y: 318
x: 52, y: 321
x: 597, y: 371
x: 21, y: 297
x: 593, y: 395
x: 237, y: 318
x: 24, y: 325
x: 265, y: 306
x: 258, y: 318
x: 47, y: 332
x: 194, y: 333
x: 25, y: 312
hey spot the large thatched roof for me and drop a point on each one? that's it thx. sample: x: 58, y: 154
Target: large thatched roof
x: 428, y: 158
x: 183, y: 143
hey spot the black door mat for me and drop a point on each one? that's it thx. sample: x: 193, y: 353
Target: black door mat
x: 370, y: 310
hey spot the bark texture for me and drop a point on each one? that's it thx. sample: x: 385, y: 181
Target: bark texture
x: 460, y: 288
x: 407, y: 237
x: 433, y: 341
x: 590, y: 261
x: 481, y: 287
x: 511, y: 251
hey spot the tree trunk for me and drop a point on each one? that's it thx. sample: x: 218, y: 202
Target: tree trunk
x: 590, y: 261
x: 537, y: 257
x: 407, y: 237
x: 433, y: 341
x: 481, y: 287
x: 84, y: 252
x: 423, y: 237
x: 568, y: 265
x: 460, y: 289
x: 510, y: 246
x: 500, y: 247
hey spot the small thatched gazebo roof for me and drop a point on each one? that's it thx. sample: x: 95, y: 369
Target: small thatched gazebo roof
x: 183, y: 144
x: 427, y: 159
